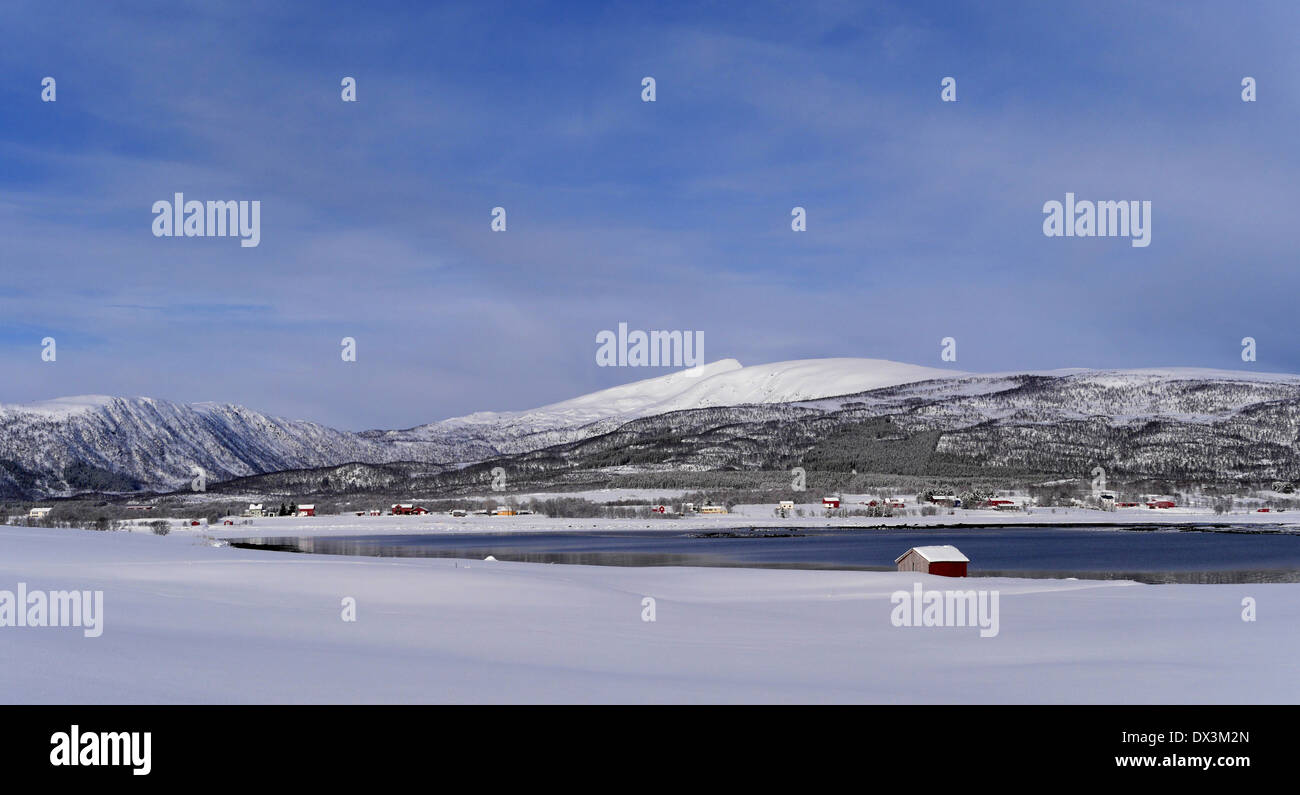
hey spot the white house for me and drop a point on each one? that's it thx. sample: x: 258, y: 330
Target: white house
x: 38, y: 513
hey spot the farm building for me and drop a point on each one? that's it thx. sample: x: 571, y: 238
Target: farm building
x: 408, y: 509
x: 1160, y: 504
x: 38, y: 513
x: 946, y: 561
x: 306, y: 510
x: 830, y: 502
x: 713, y: 509
x: 946, y: 500
x: 504, y: 512
x: 254, y: 509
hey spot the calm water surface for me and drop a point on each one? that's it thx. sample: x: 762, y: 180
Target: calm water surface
x: 1223, y: 555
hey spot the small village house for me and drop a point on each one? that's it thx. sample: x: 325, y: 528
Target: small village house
x: 306, y: 510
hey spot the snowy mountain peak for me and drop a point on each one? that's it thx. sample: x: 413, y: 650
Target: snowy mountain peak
x: 59, y: 407
x: 722, y: 383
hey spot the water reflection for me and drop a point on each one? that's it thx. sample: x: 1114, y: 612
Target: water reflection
x: 1091, y: 553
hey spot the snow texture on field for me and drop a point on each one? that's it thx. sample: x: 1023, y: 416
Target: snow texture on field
x: 187, y: 622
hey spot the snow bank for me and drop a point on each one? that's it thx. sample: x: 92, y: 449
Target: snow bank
x: 189, y: 623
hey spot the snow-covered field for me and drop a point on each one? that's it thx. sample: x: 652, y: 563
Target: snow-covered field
x: 188, y: 622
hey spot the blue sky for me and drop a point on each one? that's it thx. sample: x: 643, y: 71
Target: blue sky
x: 924, y: 217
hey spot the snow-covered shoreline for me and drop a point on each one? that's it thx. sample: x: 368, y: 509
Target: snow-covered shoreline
x: 187, y: 622
x: 742, y: 516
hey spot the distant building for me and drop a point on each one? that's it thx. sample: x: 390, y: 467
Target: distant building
x: 830, y: 502
x: 946, y: 561
x: 1161, y: 504
x: 459, y: 512
x: 136, y: 506
x: 713, y: 509
x: 504, y: 511
x: 306, y: 510
x: 38, y: 513
x: 255, y: 509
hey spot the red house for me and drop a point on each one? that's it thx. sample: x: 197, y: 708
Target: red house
x: 1160, y: 504
x: 946, y: 561
x: 830, y: 502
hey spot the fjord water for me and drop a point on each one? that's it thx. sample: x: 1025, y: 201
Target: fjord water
x: 1222, y: 555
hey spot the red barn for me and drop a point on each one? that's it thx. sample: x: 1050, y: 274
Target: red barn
x: 946, y: 561
x: 830, y: 502
x: 1160, y: 504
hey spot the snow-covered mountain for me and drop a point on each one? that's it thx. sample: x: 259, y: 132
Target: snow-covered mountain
x: 1181, y: 424
x: 101, y: 443
x: 723, y: 414
x: 98, y: 443
x: 723, y: 383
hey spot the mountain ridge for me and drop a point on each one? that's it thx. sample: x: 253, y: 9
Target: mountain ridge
x: 103, y: 443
